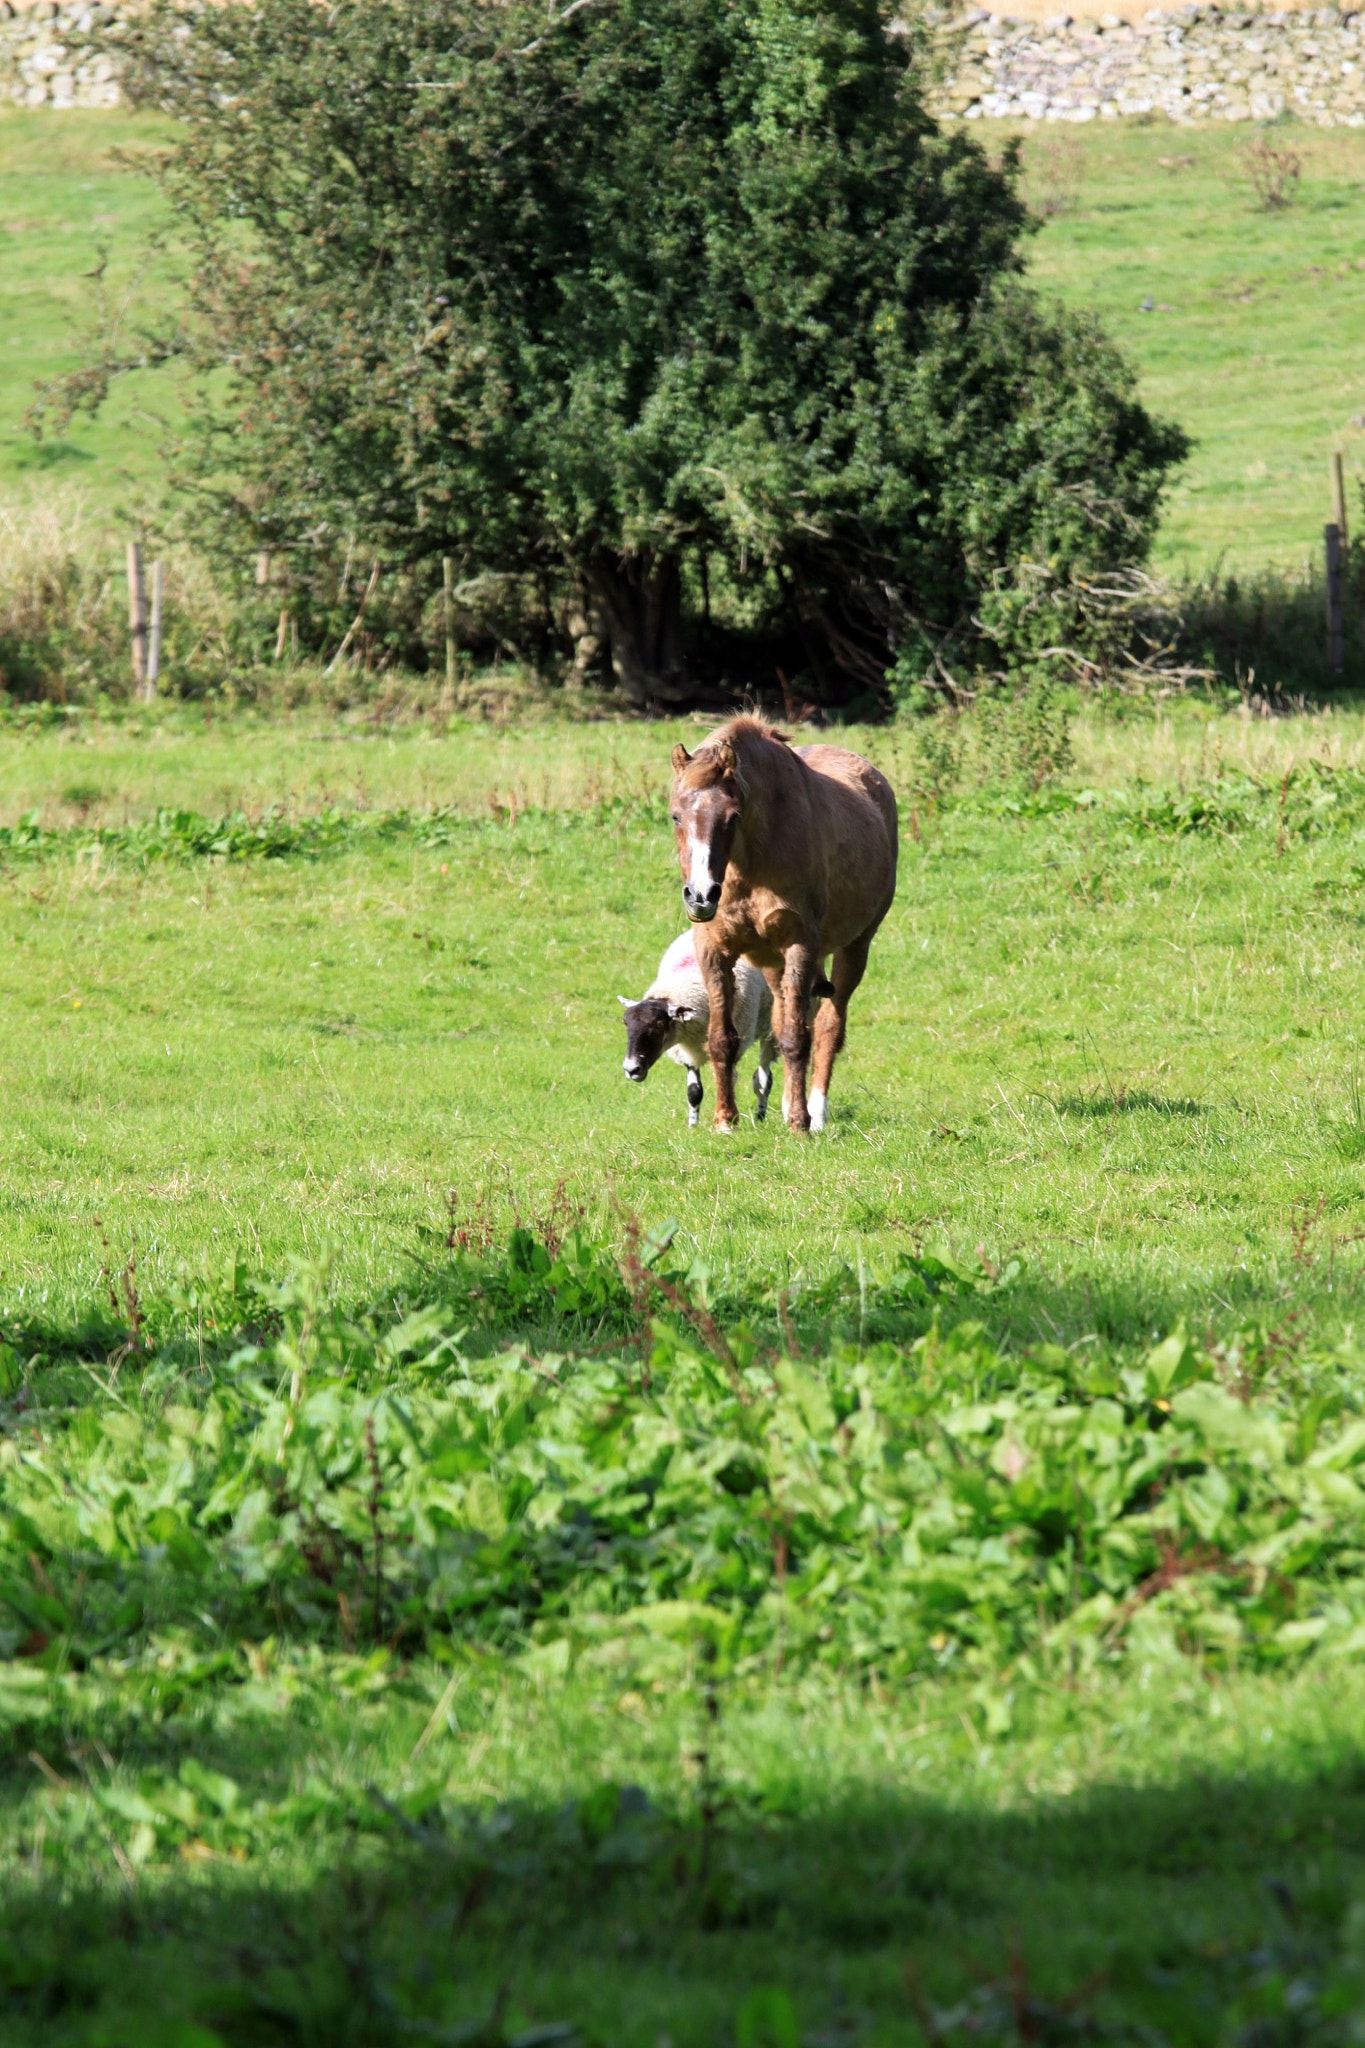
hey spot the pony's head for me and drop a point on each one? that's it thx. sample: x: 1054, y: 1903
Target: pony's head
x: 706, y: 807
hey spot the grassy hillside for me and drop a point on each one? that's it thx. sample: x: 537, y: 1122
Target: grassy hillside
x: 75, y: 198
x: 1256, y: 337
x: 1254, y: 340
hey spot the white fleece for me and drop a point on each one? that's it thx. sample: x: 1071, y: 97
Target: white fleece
x: 679, y: 981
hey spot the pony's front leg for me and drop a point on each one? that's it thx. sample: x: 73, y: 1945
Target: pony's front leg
x: 722, y: 1039
x: 802, y: 965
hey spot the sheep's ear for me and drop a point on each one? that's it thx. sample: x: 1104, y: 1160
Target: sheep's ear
x: 680, y: 1012
x: 625, y: 1002
x: 681, y: 757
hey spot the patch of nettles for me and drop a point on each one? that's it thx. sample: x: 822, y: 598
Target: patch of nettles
x: 1308, y: 802
x: 889, y: 1509
x: 273, y: 834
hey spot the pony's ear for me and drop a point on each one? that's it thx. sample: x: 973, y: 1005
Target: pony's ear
x: 727, y: 760
x: 681, y: 757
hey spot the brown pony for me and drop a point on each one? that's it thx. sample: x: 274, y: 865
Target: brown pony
x: 788, y: 856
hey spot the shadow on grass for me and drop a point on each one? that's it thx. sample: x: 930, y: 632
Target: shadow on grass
x: 49, y: 455
x: 1317, y: 1284
x: 1212, y: 1909
x: 1133, y: 1102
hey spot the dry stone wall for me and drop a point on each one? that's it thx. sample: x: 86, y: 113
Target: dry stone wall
x: 1192, y: 64
x: 65, y: 56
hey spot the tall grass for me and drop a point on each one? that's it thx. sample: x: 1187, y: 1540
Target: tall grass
x: 64, y: 610
x: 59, y: 614
x: 1266, y: 632
x: 64, y: 640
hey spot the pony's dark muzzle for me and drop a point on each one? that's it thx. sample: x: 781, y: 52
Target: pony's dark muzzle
x: 701, y: 907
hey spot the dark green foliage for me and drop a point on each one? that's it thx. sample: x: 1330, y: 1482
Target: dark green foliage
x: 894, y: 1509
x: 245, y: 1801
x: 655, y: 304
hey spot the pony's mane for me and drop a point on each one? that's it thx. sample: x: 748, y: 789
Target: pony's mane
x: 740, y: 735
x: 748, y: 727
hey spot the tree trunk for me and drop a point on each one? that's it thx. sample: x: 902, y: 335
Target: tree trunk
x: 640, y: 601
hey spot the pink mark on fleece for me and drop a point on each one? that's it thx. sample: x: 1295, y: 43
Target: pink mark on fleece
x: 681, y: 957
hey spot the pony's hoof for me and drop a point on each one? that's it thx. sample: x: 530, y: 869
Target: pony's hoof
x: 724, y: 1130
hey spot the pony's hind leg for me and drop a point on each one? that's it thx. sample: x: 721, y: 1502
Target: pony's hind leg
x: 770, y: 1045
x: 802, y: 968
x: 847, y: 969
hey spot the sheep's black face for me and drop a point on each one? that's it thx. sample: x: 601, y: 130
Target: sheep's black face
x: 650, y: 1030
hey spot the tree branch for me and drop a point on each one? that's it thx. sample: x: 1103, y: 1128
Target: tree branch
x: 355, y: 623
x: 557, y: 22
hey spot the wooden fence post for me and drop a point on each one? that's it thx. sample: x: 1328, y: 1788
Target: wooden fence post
x: 154, y: 642
x: 1339, y: 499
x: 1331, y: 535
x: 137, y: 618
x: 448, y: 578
x: 1350, y: 594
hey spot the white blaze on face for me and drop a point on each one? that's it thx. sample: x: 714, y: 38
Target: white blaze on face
x: 698, y: 866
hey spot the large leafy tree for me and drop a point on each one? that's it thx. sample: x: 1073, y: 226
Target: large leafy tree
x: 640, y: 290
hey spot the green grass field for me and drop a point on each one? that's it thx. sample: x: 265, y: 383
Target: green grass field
x: 267, y: 1052
x: 1253, y: 342
x: 284, y: 1763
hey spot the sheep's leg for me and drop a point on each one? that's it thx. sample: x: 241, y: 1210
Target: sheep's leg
x: 693, y: 1098
x: 763, y: 1073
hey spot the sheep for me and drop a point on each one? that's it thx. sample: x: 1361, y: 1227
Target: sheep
x: 674, y: 1012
